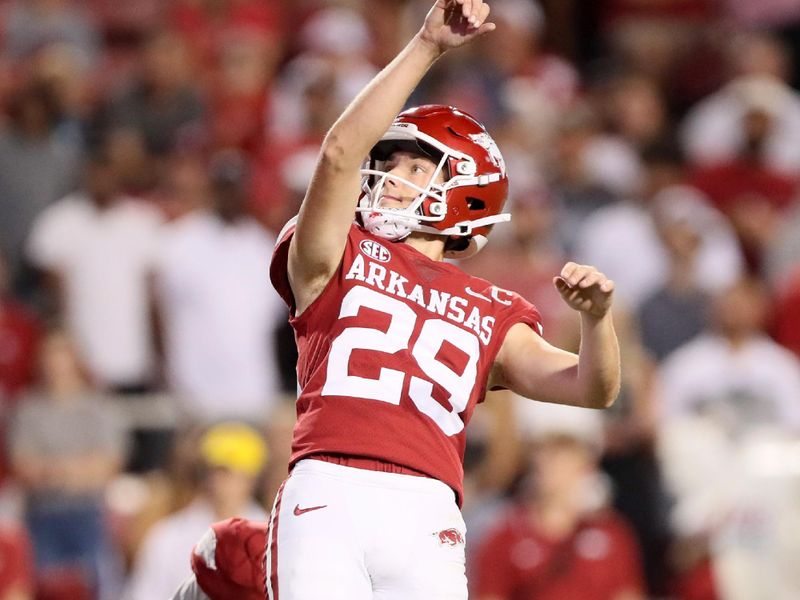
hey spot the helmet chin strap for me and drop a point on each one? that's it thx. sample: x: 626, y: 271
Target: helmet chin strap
x: 386, y: 226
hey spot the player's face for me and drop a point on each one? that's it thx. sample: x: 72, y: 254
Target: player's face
x: 415, y: 168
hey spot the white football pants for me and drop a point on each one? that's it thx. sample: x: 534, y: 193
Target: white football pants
x: 343, y: 533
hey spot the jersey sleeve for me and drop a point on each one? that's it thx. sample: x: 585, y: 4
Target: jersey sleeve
x: 522, y: 311
x: 228, y: 562
x: 279, y: 267
x: 515, y: 309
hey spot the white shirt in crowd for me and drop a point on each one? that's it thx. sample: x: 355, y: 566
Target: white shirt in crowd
x: 713, y: 130
x: 754, y: 385
x: 622, y: 241
x: 104, y: 257
x: 219, y: 315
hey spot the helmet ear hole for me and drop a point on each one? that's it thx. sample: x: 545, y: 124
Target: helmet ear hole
x: 475, y: 203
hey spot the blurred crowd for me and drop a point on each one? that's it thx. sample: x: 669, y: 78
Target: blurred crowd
x: 151, y: 151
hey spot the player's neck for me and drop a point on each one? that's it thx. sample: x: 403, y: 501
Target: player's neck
x: 430, y: 245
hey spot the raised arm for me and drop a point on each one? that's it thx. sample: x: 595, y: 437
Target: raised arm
x: 329, y: 206
x: 533, y: 368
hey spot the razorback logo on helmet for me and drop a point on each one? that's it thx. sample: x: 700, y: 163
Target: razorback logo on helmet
x: 485, y: 141
x: 375, y: 250
x: 450, y: 537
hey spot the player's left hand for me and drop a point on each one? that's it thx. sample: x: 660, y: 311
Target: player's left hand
x: 585, y: 289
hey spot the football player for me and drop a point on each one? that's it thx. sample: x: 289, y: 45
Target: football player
x: 397, y: 346
x: 228, y: 563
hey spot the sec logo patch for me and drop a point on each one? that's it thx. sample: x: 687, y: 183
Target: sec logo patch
x: 375, y: 250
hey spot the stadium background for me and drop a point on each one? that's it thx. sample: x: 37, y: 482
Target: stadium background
x: 657, y: 140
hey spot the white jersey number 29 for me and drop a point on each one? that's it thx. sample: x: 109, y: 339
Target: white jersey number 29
x: 388, y: 387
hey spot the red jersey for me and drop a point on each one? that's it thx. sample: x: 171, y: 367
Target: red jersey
x: 394, y: 355
x: 597, y: 561
x: 228, y: 562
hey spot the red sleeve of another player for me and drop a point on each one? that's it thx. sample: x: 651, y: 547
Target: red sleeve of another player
x: 236, y: 571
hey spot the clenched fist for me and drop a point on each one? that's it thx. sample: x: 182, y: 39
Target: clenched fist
x: 585, y: 289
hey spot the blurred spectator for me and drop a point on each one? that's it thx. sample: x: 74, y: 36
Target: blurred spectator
x: 677, y: 311
x: 716, y: 129
x: 238, y: 94
x: 502, y: 75
x: 58, y: 67
x: 733, y: 373
x: 209, y: 24
x: 19, y: 336
x: 163, y: 103
x: 654, y: 38
x: 621, y: 239
x: 232, y: 456
x: 66, y: 444
x: 334, y: 42
x: 16, y: 562
x: 37, y: 166
x: 33, y: 24
x: 97, y: 248
x: 561, y: 540
x: 218, y: 309
x: 579, y: 184
x: 283, y: 170
x: 184, y: 186
x: 752, y: 193
x: 135, y: 169
x: 633, y: 106
x: 521, y: 52
x: 730, y: 416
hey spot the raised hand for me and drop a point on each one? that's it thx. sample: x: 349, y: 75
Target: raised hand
x: 585, y: 289
x: 452, y: 23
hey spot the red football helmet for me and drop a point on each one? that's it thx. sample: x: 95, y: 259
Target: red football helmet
x: 465, y: 205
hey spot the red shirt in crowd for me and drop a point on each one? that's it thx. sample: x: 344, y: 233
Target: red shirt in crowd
x: 786, y: 324
x: 19, y: 334
x: 16, y: 561
x: 599, y: 560
x: 730, y: 183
